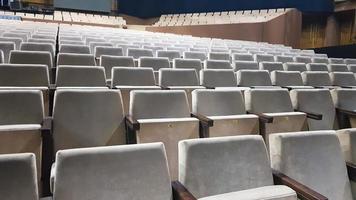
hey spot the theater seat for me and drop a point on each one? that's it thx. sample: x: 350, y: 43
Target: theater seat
x: 108, y: 62
x: 17, y: 41
x: 170, y: 54
x: 213, y: 78
x: 219, y: 56
x: 320, y: 60
x: 284, y: 59
x: 225, y: 168
x: 300, y: 67
x: 317, y: 79
x: 111, y: 51
x: 137, y: 53
x: 263, y: 58
x: 180, y: 63
x: 320, y: 67
x: 75, y: 59
x: 271, y: 66
x: 350, y: 61
x: 302, y: 59
x: 249, y: 65
x: 195, y: 55
x: 338, y: 68
x: 115, y: 164
x: 70, y: 48
x: 242, y: 57
x: 161, y: 116
x: 217, y: 64
x: 18, y: 177
x: 80, y: 76
x: 6, y: 48
x: 299, y: 155
x: 30, y: 46
x: 344, y: 100
x: 336, y: 61
x: 288, y: 79
x: 253, y: 78
x: 343, y: 79
x: 31, y: 57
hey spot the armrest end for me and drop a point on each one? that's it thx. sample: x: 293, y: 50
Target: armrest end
x: 203, y: 119
x: 346, y: 112
x: 312, y: 115
x: 180, y: 192
x: 47, y: 124
x: 351, y: 171
x: 132, y: 123
x: 263, y: 118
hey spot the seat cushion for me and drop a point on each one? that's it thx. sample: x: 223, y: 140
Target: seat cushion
x: 279, y: 192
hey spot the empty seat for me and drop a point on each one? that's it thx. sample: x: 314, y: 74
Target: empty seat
x: 6, y: 48
x: 217, y: 64
x: 29, y: 46
x: 316, y: 79
x: 316, y: 102
x: 317, y: 67
x: 180, y: 63
x: 271, y: 66
x: 137, y: 53
x: 69, y: 48
x: 75, y: 59
x: 263, y: 58
x: 42, y: 36
x: 303, y: 59
x: 168, y: 54
x: 17, y: 41
x: 93, y: 45
x: 224, y: 107
x: 320, y: 60
x: 287, y: 78
x: 319, y: 148
x: 127, y: 79
x: 31, y: 57
x: 338, y: 68
x: 344, y: 99
x: 18, y: 177
x: 70, y: 42
x: 162, y: 115
x: 242, y: 57
x: 212, y: 78
x: 111, y: 51
x: 154, y: 63
x: 336, y: 61
x: 284, y: 59
x: 219, y: 56
x: 352, y: 68
x: 77, y: 183
x: 24, y: 75
x: 241, y: 65
x: 343, y: 79
x: 80, y: 76
x: 125, y: 48
x: 88, y: 40
x: 275, y: 108
x: 108, y: 62
x: 250, y: 78
x: 195, y: 55
x: 226, y: 168
x: 350, y: 61
x: 23, y: 36
x: 300, y: 67
x: 154, y: 49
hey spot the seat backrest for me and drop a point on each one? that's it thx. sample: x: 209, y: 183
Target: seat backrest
x: 268, y: 100
x: 317, y: 101
x: 31, y: 57
x: 30, y: 46
x: 154, y: 104
x: 187, y: 64
x: 242, y: 57
x: 249, y: 65
x: 350, y: 61
x: 303, y: 59
x: 24, y: 37
x: 217, y: 64
x: 299, y: 155
x: 344, y: 98
x: 108, y: 62
x: 137, y: 53
x: 300, y: 67
x: 215, y: 166
x: 18, y: 176
x: 271, y: 66
x: 6, y: 48
x: 115, y: 164
x: 343, y: 78
x: 218, y: 102
x: 338, y: 68
x: 218, y: 78
x: 352, y: 68
x: 21, y: 107
x: 132, y: 76
x: 195, y: 55
x: 170, y: 54
x: 17, y: 41
x: 75, y: 59
x: 93, y: 45
x: 219, y: 56
x: 111, y: 51
x: 320, y: 60
x: 263, y: 58
x: 80, y: 76
x: 89, y: 117
x: 320, y: 67
x: 22, y: 75
x: 81, y: 43
x: 70, y: 48
x: 336, y: 61
x: 178, y: 77
x: 316, y: 78
x: 284, y: 59
x: 286, y: 78
x: 154, y: 63
x: 249, y: 78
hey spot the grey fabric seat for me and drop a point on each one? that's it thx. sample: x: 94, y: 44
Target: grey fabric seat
x: 90, y: 39
x: 71, y: 42
x: 70, y: 48
x: 31, y: 57
x: 242, y: 57
x: 127, y: 79
x: 125, y: 48
x: 6, y: 48
x: 291, y: 151
x: 111, y: 51
x: 93, y: 45
x: 18, y: 177
x: 242, y: 65
x: 163, y: 115
x: 344, y: 98
x: 154, y: 49
x: 263, y: 58
x: 154, y: 63
x: 229, y: 168
x: 180, y: 63
x: 316, y: 78
x: 338, y: 68
x: 108, y: 62
x: 75, y: 59
x: 80, y: 76
x: 202, y: 56
x: 318, y: 101
x: 23, y: 36
x: 336, y: 61
x: 343, y: 78
x: 42, y: 36
x: 137, y: 53
x: 320, y: 67
x: 250, y: 78
x: 350, y: 61
x: 271, y: 66
x: 286, y: 78
x: 352, y: 68
x: 213, y: 78
x: 303, y: 59
x: 17, y: 41
x: 23, y: 75
x: 115, y: 163
x: 29, y: 46
x: 170, y: 54
x: 219, y: 56
x: 225, y: 107
x: 320, y: 60
x: 217, y: 64
x: 284, y: 59
x: 300, y: 67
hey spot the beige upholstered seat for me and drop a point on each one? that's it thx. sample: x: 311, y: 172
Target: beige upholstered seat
x: 75, y: 59
x: 263, y: 58
x: 249, y: 78
x: 137, y: 53
x: 271, y: 66
x: 302, y: 59
x: 180, y: 63
x: 219, y: 56
x: 287, y: 78
x: 195, y: 55
x: 242, y: 57
x: 338, y: 68
x: 343, y: 78
x: 321, y: 67
x: 31, y: 57
x: 217, y: 64
x: 80, y: 76
x: 213, y: 78
x: 300, y: 67
x: 111, y: 51
x: 249, y: 65
x: 170, y: 54
x: 30, y: 46
x: 284, y: 59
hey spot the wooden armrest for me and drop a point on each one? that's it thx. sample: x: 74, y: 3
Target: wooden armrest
x: 203, y: 119
x: 312, y: 115
x: 263, y: 118
x: 180, y: 192
x: 132, y: 123
x: 346, y: 112
x: 351, y: 171
x: 303, y: 192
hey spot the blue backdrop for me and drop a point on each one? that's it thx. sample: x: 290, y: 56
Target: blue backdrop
x: 154, y: 8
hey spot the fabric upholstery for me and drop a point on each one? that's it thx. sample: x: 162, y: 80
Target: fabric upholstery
x: 17, y: 41
x: 69, y: 48
x: 218, y: 78
x: 352, y: 68
x: 24, y: 37
x: 299, y: 155
x: 350, y: 61
x: 93, y: 45
x: 132, y: 76
x: 195, y: 55
x: 263, y: 58
x: 284, y: 59
x: 336, y: 61
x: 249, y: 65
x: 300, y: 67
x: 29, y: 46
x: 317, y: 67
x: 242, y: 57
x: 75, y: 59
x: 170, y: 54
x: 154, y: 63
x: 111, y: 51
x: 80, y: 76
x: 108, y: 62
x: 320, y: 60
x: 217, y: 64
x: 338, y: 68
x: 31, y: 57
x: 343, y: 78
x: 178, y: 77
x: 248, y: 78
x: 316, y: 78
x: 303, y: 59
x: 268, y: 100
x: 87, y: 118
x: 22, y: 75
x: 187, y: 63
x: 271, y: 66
x: 111, y: 173
x: 286, y: 78
x: 137, y: 53
x: 219, y: 56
